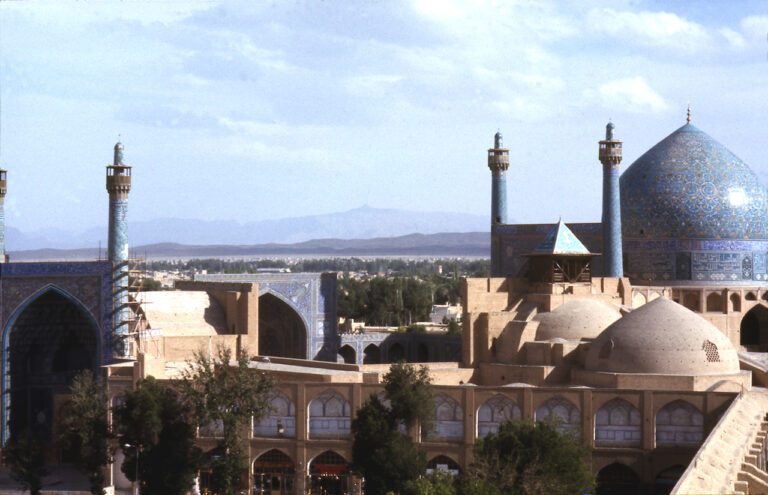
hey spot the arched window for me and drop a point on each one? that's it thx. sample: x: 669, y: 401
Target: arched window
x: 617, y: 423
x: 567, y: 413
x: 493, y: 412
x: 735, y: 302
x: 281, y: 419
x: 638, y: 299
x: 348, y: 354
x: 448, y: 424
x: 617, y: 479
x: 691, y: 301
x: 372, y: 354
x: 715, y: 302
x: 329, y: 416
x: 679, y: 423
x: 750, y: 296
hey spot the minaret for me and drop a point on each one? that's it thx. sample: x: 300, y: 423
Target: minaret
x: 610, y: 157
x: 2, y: 214
x: 118, y: 186
x: 498, y: 162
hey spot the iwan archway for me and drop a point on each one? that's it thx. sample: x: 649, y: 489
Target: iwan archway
x: 46, y: 342
x: 282, y: 331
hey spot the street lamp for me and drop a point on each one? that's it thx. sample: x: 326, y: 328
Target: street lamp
x: 128, y: 445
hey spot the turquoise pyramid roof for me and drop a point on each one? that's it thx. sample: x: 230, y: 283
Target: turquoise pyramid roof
x: 561, y: 241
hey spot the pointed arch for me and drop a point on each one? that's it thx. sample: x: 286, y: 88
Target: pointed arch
x: 679, y: 423
x: 283, y: 330
x: 754, y: 328
x: 566, y: 412
x: 448, y: 422
x: 617, y: 423
x: 329, y: 416
x: 60, y: 337
x: 617, y: 479
x: 493, y: 412
x: 281, y: 420
x: 372, y: 354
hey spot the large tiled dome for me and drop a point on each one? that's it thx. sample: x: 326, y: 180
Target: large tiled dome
x: 689, y: 186
x: 662, y: 337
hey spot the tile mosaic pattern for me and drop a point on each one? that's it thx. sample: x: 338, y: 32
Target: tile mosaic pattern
x: 312, y: 295
x: 688, y: 186
x: 561, y: 241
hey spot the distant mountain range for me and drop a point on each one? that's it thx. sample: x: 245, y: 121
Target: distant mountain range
x: 467, y: 244
x: 369, y: 223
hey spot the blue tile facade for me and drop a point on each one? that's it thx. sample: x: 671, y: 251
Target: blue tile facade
x: 688, y: 186
x: 87, y: 284
x: 311, y: 295
x: 612, y: 247
x: 415, y: 347
x: 691, y: 213
x: 118, y: 253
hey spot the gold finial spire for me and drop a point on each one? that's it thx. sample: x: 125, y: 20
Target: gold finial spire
x: 688, y: 118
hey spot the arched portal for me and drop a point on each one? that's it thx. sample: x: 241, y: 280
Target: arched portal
x: 754, y: 328
x: 443, y: 464
x: 274, y: 473
x: 617, y: 479
x: 46, y: 343
x: 667, y: 479
x: 281, y: 331
x: 328, y: 473
x: 396, y: 352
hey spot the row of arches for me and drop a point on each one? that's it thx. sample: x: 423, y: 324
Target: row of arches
x: 617, y: 422
x: 274, y: 472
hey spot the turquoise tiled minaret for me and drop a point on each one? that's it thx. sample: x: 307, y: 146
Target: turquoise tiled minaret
x: 610, y: 157
x: 498, y: 162
x: 118, y: 186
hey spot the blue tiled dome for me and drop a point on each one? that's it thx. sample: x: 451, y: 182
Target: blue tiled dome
x: 689, y: 186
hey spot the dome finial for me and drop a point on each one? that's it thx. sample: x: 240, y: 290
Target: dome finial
x: 688, y: 117
x: 498, y: 140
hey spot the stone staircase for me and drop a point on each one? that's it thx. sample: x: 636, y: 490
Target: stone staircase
x: 733, y: 458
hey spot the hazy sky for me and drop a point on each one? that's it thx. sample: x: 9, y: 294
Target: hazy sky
x: 254, y: 110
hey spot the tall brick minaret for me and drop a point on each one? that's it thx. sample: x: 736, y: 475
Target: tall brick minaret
x: 498, y: 162
x: 118, y: 186
x: 610, y: 157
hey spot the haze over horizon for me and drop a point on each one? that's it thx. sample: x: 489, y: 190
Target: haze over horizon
x: 247, y: 111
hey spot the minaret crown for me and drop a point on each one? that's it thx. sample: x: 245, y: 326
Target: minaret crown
x: 498, y: 156
x: 610, y: 148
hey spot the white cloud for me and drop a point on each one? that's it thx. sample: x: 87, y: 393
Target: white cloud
x: 656, y: 29
x: 373, y: 85
x: 735, y: 39
x: 755, y: 26
x: 630, y: 94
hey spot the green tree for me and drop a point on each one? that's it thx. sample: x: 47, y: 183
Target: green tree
x: 409, y: 390
x: 84, y: 428
x: 227, y: 393
x: 24, y: 455
x: 154, y: 420
x: 526, y: 458
x: 437, y: 483
x: 387, y: 458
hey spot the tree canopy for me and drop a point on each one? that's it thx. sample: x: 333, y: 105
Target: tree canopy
x: 409, y: 390
x: 526, y: 458
x: 154, y: 424
x: 224, y: 391
x: 84, y: 428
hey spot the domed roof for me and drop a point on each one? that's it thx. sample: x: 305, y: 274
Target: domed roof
x: 689, y: 186
x: 662, y: 337
x: 576, y: 319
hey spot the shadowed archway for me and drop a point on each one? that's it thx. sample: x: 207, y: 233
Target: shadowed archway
x: 46, y: 343
x: 754, y: 329
x: 281, y: 330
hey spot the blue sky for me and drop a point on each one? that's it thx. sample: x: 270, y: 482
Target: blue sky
x: 256, y: 110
